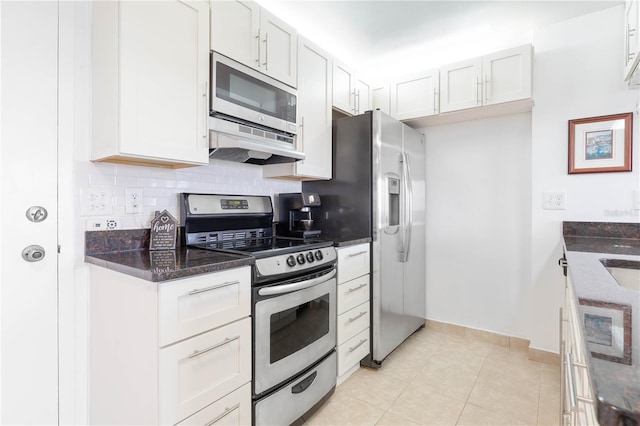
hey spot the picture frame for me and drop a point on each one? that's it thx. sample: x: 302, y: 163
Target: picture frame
x: 601, y: 144
x: 607, y: 330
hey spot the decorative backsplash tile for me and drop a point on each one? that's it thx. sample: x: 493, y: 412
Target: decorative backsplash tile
x: 160, y: 187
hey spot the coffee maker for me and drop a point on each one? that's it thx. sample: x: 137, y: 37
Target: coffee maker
x: 294, y: 214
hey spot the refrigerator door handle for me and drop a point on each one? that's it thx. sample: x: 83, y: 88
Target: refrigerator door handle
x: 407, y: 207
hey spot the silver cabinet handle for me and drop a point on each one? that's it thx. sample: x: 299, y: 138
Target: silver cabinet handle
x: 213, y: 287
x: 435, y: 104
x: 301, y: 134
x: 33, y: 253
x: 356, y: 317
x: 210, y: 348
x: 486, y: 89
x: 205, y: 134
x: 266, y: 51
x: 258, y: 43
x: 478, y: 91
x: 227, y: 411
x: 357, y: 254
x: 353, y: 93
x: 571, y: 383
x: 360, y: 343
x: 351, y: 290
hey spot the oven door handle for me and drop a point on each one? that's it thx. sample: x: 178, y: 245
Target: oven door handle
x: 288, y: 288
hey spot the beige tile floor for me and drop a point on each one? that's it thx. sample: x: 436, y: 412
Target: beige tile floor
x: 436, y: 378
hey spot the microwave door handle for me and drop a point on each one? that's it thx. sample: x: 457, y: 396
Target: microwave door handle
x: 288, y: 288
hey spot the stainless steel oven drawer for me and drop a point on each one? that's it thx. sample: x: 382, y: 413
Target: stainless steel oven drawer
x: 295, y: 398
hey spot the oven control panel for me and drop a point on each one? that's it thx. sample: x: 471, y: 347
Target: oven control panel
x: 295, y: 262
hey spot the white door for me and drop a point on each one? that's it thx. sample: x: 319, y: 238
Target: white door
x: 234, y: 30
x: 28, y: 177
x: 343, y: 88
x: 278, y: 49
x: 363, y: 97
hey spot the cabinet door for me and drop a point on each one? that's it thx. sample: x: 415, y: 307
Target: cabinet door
x: 363, y: 97
x: 194, y: 305
x: 343, y: 87
x: 200, y: 370
x: 632, y: 46
x: 507, y: 75
x: 163, y: 70
x: 234, y: 30
x: 380, y: 98
x: 353, y: 293
x: 278, y: 49
x: 352, y: 351
x: 314, y: 107
x: 460, y: 85
x: 232, y: 409
x: 353, y: 262
x: 415, y: 96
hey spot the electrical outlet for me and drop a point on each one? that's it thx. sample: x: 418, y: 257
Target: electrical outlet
x: 103, y: 224
x: 133, y: 200
x: 554, y: 200
x: 95, y: 201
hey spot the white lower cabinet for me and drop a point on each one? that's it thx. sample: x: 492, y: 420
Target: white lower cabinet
x: 577, y: 400
x: 170, y: 352
x: 233, y: 409
x: 353, y: 307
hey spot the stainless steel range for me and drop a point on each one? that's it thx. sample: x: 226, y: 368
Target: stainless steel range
x: 293, y: 296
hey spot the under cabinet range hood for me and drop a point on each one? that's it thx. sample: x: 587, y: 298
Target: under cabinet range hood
x: 247, y: 143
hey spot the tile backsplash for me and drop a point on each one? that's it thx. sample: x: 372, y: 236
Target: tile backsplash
x: 160, y: 187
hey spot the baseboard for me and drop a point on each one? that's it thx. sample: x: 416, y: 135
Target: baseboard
x: 513, y: 343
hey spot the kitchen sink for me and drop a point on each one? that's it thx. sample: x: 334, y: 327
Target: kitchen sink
x: 625, y: 272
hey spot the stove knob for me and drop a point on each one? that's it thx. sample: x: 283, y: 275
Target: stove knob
x: 291, y: 261
x: 301, y: 259
x: 319, y: 255
x: 310, y: 257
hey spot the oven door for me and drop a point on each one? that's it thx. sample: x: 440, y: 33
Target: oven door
x: 294, y: 327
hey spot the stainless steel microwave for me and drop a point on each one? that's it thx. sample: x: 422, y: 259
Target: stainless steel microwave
x: 240, y: 92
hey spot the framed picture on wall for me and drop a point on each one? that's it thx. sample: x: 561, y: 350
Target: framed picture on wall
x: 600, y: 144
x: 607, y: 328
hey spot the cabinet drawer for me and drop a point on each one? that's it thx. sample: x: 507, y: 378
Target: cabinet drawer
x: 353, y: 293
x: 352, y: 322
x: 353, y: 262
x: 194, y: 305
x: 233, y: 409
x: 352, y: 351
x: 200, y: 370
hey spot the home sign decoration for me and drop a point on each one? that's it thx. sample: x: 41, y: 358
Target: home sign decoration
x: 164, y: 229
x: 600, y: 144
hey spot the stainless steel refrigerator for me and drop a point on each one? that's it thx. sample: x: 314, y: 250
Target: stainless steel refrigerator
x: 378, y: 191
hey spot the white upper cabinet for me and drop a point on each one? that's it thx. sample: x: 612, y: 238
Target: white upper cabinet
x: 380, y: 98
x: 415, y: 95
x: 314, y: 112
x: 500, y: 77
x: 150, y: 83
x: 350, y: 94
x: 631, y: 43
x: 251, y: 35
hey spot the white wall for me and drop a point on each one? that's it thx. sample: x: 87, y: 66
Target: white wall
x: 478, y: 223
x: 577, y: 74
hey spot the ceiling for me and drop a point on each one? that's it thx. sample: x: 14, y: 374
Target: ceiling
x: 383, y: 36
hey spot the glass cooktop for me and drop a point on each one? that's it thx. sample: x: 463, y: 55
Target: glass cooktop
x: 264, y: 247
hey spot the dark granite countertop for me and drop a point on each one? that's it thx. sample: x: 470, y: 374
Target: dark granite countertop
x: 127, y: 252
x: 614, y: 370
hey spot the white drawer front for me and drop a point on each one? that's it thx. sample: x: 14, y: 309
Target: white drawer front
x: 194, y: 305
x: 353, y: 262
x: 200, y: 370
x: 353, y: 322
x: 352, y: 351
x: 353, y: 293
x: 233, y: 409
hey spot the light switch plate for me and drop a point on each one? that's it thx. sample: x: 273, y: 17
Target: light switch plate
x: 556, y: 200
x: 96, y: 201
